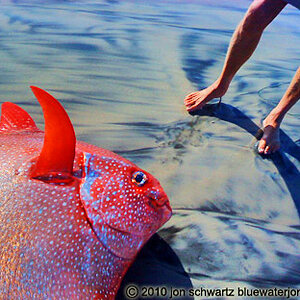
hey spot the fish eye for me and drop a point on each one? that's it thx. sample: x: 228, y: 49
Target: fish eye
x: 139, y: 178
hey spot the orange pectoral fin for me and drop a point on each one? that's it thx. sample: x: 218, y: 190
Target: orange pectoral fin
x: 57, y: 155
x: 15, y: 118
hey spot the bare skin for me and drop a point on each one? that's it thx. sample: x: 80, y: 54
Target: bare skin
x: 243, y: 43
x: 270, y: 142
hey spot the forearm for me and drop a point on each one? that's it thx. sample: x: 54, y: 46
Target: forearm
x: 241, y: 47
x: 291, y: 96
x: 248, y: 33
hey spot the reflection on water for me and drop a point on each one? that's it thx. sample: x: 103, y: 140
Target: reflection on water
x: 122, y: 69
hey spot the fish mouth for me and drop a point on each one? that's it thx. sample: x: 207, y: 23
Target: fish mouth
x: 167, y: 213
x: 162, y: 205
x: 159, y: 202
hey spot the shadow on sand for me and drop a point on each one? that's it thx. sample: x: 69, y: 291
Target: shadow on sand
x: 287, y: 170
x: 157, y: 265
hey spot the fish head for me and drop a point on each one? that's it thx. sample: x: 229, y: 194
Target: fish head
x: 117, y: 193
x: 124, y: 204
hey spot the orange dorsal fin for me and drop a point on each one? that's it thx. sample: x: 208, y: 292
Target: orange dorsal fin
x: 15, y: 118
x: 57, y: 155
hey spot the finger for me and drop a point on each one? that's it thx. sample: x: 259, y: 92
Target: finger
x: 261, y: 146
x: 189, y: 96
x: 187, y: 100
x: 191, y: 101
x: 267, y: 150
x: 190, y: 108
x: 193, y: 107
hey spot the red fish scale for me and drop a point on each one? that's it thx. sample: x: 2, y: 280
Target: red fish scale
x: 48, y: 248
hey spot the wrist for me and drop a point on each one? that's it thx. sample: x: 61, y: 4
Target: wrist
x: 277, y: 114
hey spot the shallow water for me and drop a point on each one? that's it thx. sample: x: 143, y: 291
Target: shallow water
x: 122, y: 69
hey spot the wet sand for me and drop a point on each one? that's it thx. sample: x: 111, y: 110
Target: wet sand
x: 122, y: 69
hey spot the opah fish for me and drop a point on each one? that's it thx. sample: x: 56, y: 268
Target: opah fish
x: 72, y: 216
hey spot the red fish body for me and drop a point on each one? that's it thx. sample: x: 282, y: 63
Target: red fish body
x: 69, y: 231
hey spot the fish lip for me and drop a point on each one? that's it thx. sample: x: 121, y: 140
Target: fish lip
x: 164, y: 206
x: 167, y: 204
x: 159, y: 202
x: 170, y: 213
x: 163, y: 203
